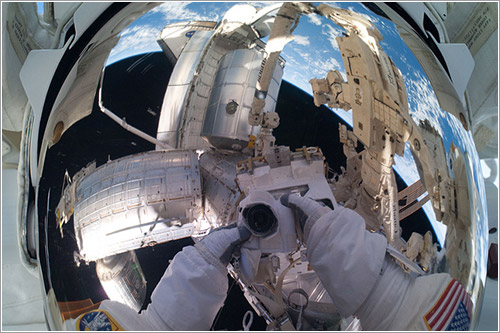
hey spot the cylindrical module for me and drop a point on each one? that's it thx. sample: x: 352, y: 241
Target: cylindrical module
x: 226, y: 120
x: 136, y: 201
x: 122, y: 279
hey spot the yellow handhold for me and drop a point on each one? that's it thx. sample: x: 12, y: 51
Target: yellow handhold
x: 251, y: 141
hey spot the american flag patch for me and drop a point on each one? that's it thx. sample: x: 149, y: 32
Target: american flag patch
x: 452, y: 311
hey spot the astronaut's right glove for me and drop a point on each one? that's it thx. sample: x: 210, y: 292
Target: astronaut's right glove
x: 218, y: 246
x: 307, y: 211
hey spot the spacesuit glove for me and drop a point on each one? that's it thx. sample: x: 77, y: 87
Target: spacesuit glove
x: 221, y: 243
x: 307, y: 211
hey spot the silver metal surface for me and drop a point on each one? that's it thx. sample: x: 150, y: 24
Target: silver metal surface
x: 221, y: 193
x: 178, y: 88
x: 234, y: 88
x: 174, y: 37
x: 136, y: 201
x: 122, y: 278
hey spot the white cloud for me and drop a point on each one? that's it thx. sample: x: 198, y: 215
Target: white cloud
x: 291, y: 60
x: 366, y: 17
x: 138, y: 39
x: 296, y: 76
x: 317, y: 67
x: 262, y: 4
x: 331, y: 32
x: 135, y: 40
x: 178, y: 11
x: 301, y: 40
x: 314, y: 19
x: 422, y: 102
x: 296, y: 72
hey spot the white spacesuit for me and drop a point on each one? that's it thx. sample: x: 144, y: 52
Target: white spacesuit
x: 352, y: 263
x: 363, y: 280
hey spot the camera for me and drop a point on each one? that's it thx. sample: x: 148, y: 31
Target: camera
x: 247, y: 189
x: 260, y: 219
x: 272, y: 223
x: 265, y: 181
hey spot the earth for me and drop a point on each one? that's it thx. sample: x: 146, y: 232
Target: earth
x: 135, y: 80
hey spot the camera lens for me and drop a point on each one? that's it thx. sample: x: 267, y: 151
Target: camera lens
x: 260, y: 219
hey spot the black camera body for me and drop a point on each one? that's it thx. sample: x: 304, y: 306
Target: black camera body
x: 272, y: 224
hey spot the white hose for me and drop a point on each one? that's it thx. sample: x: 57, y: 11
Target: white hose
x: 127, y: 126
x: 247, y: 320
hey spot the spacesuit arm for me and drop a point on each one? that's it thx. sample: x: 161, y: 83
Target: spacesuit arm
x: 363, y: 280
x: 189, y: 295
x: 399, y: 301
x: 347, y: 258
x: 187, y: 298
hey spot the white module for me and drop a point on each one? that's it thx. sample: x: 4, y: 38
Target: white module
x: 122, y: 279
x: 136, y: 201
x: 226, y: 121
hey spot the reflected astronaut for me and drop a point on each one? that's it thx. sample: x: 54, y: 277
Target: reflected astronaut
x: 267, y: 215
x: 360, y: 276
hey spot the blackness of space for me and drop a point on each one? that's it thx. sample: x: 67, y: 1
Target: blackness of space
x: 133, y: 88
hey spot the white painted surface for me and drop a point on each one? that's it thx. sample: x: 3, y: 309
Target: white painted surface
x: 22, y: 307
x: 488, y: 320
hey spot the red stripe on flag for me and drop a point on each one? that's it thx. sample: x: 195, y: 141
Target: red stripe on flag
x: 444, y: 310
x: 441, y: 300
x: 441, y: 315
x: 450, y: 310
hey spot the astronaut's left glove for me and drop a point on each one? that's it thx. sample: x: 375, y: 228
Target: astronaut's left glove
x: 218, y: 246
